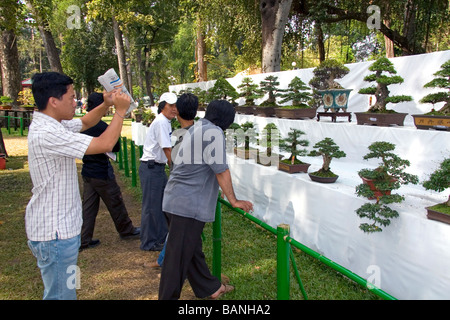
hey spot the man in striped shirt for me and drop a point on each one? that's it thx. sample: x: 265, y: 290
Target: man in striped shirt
x: 54, y: 216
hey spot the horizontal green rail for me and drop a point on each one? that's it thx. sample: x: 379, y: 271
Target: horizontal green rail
x: 361, y: 281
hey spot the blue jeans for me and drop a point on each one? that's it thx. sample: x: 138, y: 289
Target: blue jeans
x: 57, y: 260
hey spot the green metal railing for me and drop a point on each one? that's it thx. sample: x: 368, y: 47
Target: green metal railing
x: 284, y: 241
x: 8, y: 124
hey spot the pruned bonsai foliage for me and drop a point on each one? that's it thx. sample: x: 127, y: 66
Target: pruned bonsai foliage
x: 378, y: 184
x: 245, y: 136
x: 383, y: 75
x: 328, y: 149
x: 441, y: 80
x: 223, y: 90
x: 293, y: 145
x: 438, y: 181
x: 249, y: 91
x: 270, y: 86
x: 270, y: 138
x: 298, y: 92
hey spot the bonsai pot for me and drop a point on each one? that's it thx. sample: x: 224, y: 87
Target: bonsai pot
x: 5, y: 107
x: 246, y: 154
x: 263, y: 159
x: 380, y: 119
x: 323, y: 179
x: 293, y: 168
x: 377, y: 193
x: 264, y: 111
x: 438, y: 216
x: 2, y: 161
x: 422, y: 121
x: 295, y: 113
x: 244, y: 109
x: 335, y: 99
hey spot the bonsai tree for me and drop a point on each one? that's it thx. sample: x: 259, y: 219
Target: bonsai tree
x: 26, y: 98
x: 326, y: 73
x: 439, y: 181
x: 442, y: 80
x: 291, y: 145
x: 202, y: 97
x: 297, y: 93
x: 328, y: 149
x: 379, y: 183
x: 222, y: 89
x: 270, y: 86
x: 4, y: 100
x: 383, y: 75
x: 268, y: 137
x: 249, y: 91
x: 249, y: 135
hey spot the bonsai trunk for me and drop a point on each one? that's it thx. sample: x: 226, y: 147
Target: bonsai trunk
x: 448, y: 202
x: 326, y: 162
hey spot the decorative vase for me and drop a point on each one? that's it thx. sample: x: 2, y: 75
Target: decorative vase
x: 335, y: 99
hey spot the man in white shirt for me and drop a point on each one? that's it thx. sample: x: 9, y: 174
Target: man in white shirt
x: 156, y: 154
x: 54, y: 216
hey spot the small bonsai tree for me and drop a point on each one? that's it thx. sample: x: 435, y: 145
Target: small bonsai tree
x: 249, y: 91
x: 388, y: 176
x: 328, y: 149
x: 380, y: 67
x: 291, y: 145
x: 442, y: 80
x: 4, y: 100
x: 439, y: 181
x: 269, y: 136
x: 270, y: 86
x: 298, y: 93
x: 222, y: 89
x: 25, y: 97
x: 202, y: 97
x: 249, y: 134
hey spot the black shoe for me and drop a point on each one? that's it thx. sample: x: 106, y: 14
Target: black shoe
x: 136, y: 232
x: 157, y: 247
x: 93, y: 243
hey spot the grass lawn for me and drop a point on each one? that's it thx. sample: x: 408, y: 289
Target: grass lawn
x: 114, y: 270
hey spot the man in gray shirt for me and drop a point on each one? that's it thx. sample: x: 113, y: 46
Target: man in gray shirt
x: 189, y: 202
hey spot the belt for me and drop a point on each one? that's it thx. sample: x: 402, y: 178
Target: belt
x: 153, y: 162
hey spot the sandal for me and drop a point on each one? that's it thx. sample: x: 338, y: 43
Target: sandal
x: 227, y: 288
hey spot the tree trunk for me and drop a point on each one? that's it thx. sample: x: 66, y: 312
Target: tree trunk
x: 320, y: 44
x: 47, y: 39
x: 9, y: 55
x: 274, y: 15
x: 120, y: 54
x: 200, y: 51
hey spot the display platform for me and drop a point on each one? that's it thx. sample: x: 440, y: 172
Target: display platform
x: 409, y: 259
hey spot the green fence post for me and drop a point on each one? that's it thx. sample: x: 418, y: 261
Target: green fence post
x: 133, y: 164
x: 8, y: 124
x: 282, y: 262
x: 21, y: 126
x: 120, y: 154
x: 217, y: 242
x: 125, y: 157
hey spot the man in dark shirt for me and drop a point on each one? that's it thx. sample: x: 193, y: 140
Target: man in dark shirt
x: 99, y: 182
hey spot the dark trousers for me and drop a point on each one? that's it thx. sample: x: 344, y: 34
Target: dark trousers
x: 184, y: 258
x: 109, y: 192
x: 153, y: 223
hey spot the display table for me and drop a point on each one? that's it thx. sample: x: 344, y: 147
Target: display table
x: 334, y: 115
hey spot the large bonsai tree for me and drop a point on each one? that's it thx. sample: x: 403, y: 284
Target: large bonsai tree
x: 298, y: 93
x: 442, y: 80
x: 222, y: 89
x: 440, y: 179
x: 383, y: 75
x: 388, y: 176
x: 292, y: 143
x: 326, y: 73
x: 249, y: 91
x: 270, y: 86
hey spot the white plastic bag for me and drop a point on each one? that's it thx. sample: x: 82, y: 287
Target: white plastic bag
x: 111, y: 81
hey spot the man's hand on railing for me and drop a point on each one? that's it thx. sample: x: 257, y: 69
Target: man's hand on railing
x: 247, y: 206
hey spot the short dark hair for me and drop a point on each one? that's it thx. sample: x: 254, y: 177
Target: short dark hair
x: 49, y: 84
x: 94, y: 100
x: 221, y: 113
x: 161, y: 106
x: 187, y: 105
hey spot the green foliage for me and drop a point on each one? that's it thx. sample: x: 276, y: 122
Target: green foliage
x: 380, y: 67
x: 270, y: 134
x: 249, y: 91
x: 326, y: 73
x: 5, y: 100
x: 439, y: 180
x: 298, y: 93
x: 270, y: 86
x: 328, y: 149
x: 388, y: 176
x: 441, y: 80
x: 222, y: 89
x: 293, y: 144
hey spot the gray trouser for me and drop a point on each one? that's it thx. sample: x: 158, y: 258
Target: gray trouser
x: 153, y: 223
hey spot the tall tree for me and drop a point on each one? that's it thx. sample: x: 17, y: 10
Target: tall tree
x: 41, y: 11
x: 9, y: 56
x: 274, y: 15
